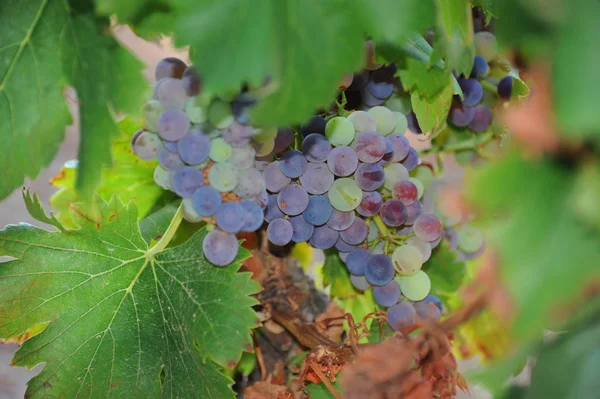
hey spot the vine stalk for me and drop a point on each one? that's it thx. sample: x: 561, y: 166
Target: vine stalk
x: 169, y: 233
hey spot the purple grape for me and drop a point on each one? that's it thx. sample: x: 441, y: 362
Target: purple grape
x: 401, y: 146
x: 302, y: 229
x: 206, y: 200
x: 435, y: 243
x: 357, y: 260
x: 342, y: 246
x: 360, y: 282
x: 170, y: 93
x: 292, y: 200
x: 317, y: 179
x: 412, y: 160
x: 230, y: 217
x: 369, y: 176
x: 316, y: 147
x: 186, y: 180
x: 315, y: 124
x: 405, y: 191
x: 341, y: 220
x: 145, y: 145
x: 173, y: 124
x: 472, y: 92
x: 318, y: 210
x: 262, y: 199
x: 461, y: 116
x: 192, y: 83
x: 240, y: 107
x: 280, y: 232
x: 482, y: 118
x: 324, y: 237
x: 380, y: 90
x: 170, y: 145
x: 370, y: 147
x: 342, y: 161
x: 253, y: 216
x: 379, y: 269
x: 356, y: 233
x: 451, y: 237
x: 237, y: 135
x: 427, y: 310
x: 401, y: 316
x: 389, y: 152
x: 387, y: 295
x: 275, y: 180
x: 194, y: 148
x: 272, y: 210
x: 293, y: 163
x: 369, y: 99
x: 413, y: 211
x: 413, y: 123
x: 428, y: 228
x: 220, y: 248
x: 370, y: 205
x: 284, y: 138
x: 169, y: 67
x: 359, y: 81
x: 432, y: 299
x: 393, y: 213
x: 480, y: 67
x: 505, y: 87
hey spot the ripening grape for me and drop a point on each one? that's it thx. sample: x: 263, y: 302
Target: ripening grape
x: 427, y: 310
x: 151, y: 111
x: 220, y: 248
x: 265, y: 148
x: 384, y: 118
x: 345, y: 195
x: 192, y: 82
x: 162, y: 177
x: 170, y: 93
x: 357, y: 260
x: 423, y: 246
x: 341, y: 220
x: 356, y: 233
x: 194, y: 148
x: 339, y: 131
x: 401, y: 316
x: 317, y: 178
x: 394, y: 173
x: 369, y: 176
x: 419, y: 185
x: 284, y: 139
x: 401, y: 123
x: 280, y: 232
x: 186, y: 180
x: 230, y: 217
x: 379, y: 270
x: 407, y: 259
x: 405, y: 191
x: 145, y: 145
x: 293, y: 164
x: 369, y: 147
x: 324, y: 237
x: 393, y: 213
x: 302, y: 229
x: 189, y: 213
x: 428, y: 228
x: 470, y: 239
x: 206, y: 200
x: 371, y: 204
x: 363, y: 121
x: 223, y: 176
x: 415, y: 287
x: 195, y: 112
x: 316, y: 147
x: 401, y: 147
x: 482, y: 118
x: 292, y: 200
x: 250, y: 183
x: 318, y: 210
x: 387, y: 295
x: 173, y: 124
x: 220, y: 150
x: 412, y: 160
x: 275, y: 180
x: 342, y: 161
x: 242, y: 157
x: 461, y: 116
x: 169, y: 67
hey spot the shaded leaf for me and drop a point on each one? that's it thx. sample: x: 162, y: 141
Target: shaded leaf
x: 36, y: 209
x: 432, y: 114
x: 336, y: 275
x: 395, y: 21
x: 444, y: 271
x: 455, y: 38
x: 428, y: 80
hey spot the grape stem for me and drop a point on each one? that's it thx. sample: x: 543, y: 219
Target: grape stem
x: 168, y: 234
x: 470, y: 144
x: 381, y: 226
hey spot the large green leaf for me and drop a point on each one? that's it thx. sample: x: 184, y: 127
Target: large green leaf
x: 336, y: 275
x: 393, y: 21
x: 444, y: 271
x: 122, y: 320
x: 455, y: 34
x: 428, y: 80
x: 432, y: 113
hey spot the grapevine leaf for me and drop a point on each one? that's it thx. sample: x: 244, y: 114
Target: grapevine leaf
x: 320, y: 391
x: 305, y: 47
x: 335, y: 274
x: 148, y: 18
x: 36, y: 209
x: 122, y: 320
x: 428, y: 80
x: 455, y: 38
x: 155, y: 224
x: 490, y: 8
x: 128, y: 176
x: 444, y: 271
x: 395, y: 21
x: 376, y: 329
x: 432, y: 114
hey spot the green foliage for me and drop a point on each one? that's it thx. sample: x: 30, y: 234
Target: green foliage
x: 59, y: 46
x: 122, y: 318
x: 376, y: 330
x: 455, y: 35
x: 444, y: 271
x: 336, y: 275
x: 394, y: 21
x: 428, y: 81
x: 432, y: 114
x: 320, y: 391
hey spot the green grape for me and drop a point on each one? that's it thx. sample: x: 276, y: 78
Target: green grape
x: 399, y: 104
x: 415, y: 287
x: 470, y: 239
x: 407, y: 259
x: 223, y: 176
x: 339, y: 131
x: 220, y: 150
x: 424, y: 174
x: 189, y: 213
x: 152, y: 110
x: 345, y: 195
x: 362, y: 121
x: 386, y: 120
x: 394, y: 173
x: 419, y: 186
x: 195, y: 112
x: 220, y: 114
x: 401, y: 123
x: 265, y: 148
x: 486, y: 45
x: 373, y: 232
x: 265, y: 134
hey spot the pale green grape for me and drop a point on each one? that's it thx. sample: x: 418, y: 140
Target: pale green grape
x: 423, y: 173
x: 220, y: 114
x: 415, y: 287
x: 470, y: 239
x: 407, y: 259
x: 195, y: 112
x: 345, y: 195
x: 223, y: 176
x: 162, y: 178
x: 362, y: 121
x: 394, y: 173
x: 423, y: 246
x: 265, y: 134
x: 339, y: 131
x: 189, y: 213
x: 265, y: 148
x: 152, y: 110
x: 220, y: 151
x: 386, y: 120
x: 401, y: 123
x: 486, y: 45
x: 419, y: 186
x: 399, y: 104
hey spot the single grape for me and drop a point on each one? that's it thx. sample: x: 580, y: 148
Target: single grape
x: 427, y: 311
x: 280, y: 232
x: 356, y: 233
x: 230, y: 217
x: 381, y: 90
x: 357, y: 260
x: 369, y: 177
x: 339, y: 131
x: 393, y: 213
x: 480, y: 67
x: 369, y: 147
x: 428, y: 228
x: 389, y: 152
x: 370, y: 100
x: 345, y: 195
x: 242, y: 157
x: 412, y: 160
x: 315, y: 124
x: 405, y: 191
x: 401, y: 123
x: 318, y: 210
x: 470, y: 239
x: 401, y: 316
x: 274, y: 178
x: 145, y: 145
x: 401, y: 147
x: 302, y: 229
x: 432, y: 299
x: 385, y: 119
x: 272, y: 210
x: 343, y: 246
x: 220, y: 150
x: 394, y: 173
x: 399, y: 104
x: 362, y: 121
x: 370, y: 205
x: 265, y: 149
x: 237, y: 135
x: 223, y: 176
x: 152, y: 110
x: 413, y: 123
x: 170, y: 93
x: 189, y: 213
x: 505, y: 87
x: 292, y: 200
x: 173, y: 125
x: 423, y: 247
x: 324, y: 237
x: 472, y: 92
x: 415, y: 287
x: 186, y: 180
x: 284, y: 138
x: 360, y: 282
x: 407, y: 259
x: 192, y: 83
x: 220, y: 114
x: 316, y: 147
x: 461, y: 116
x: 206, y: 200
x: 293, y: 164
x: 419, y: 185
x: 220, y: 248
x: 169, y: 160
x: 250, y: 183
x: 194, y: 148
x: 162, y: 177
x: 342, y: 161
x: 317, y: 179
x: 379, y: 270
x: 486, y: 45
x: 482, y: 118
x: 341, y: 220
x: 169, y: 67
x: 387, y: 295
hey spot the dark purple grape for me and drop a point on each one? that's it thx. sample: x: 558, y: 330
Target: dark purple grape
x: 317, y: 179
x: 284, y: 138
x: 292, y: 200
x: 357, y: 260
x: 169, y: 67
x: 379, y: 269
x: 280, y: 232
x: 293, y: 163
x: 480, y: 67
x: 413, y: 123
x: 342, y: 161
x: 272, y: 211
x: 315, y: 124
x: 370, y: 99
x: 318, y: 210
x: 472, y: 92
x: 387, y: 295
x: 370, y: 205
x: 413, y: 211
x: 230, y: 217
x: 324, y: 237
x: 381, y: 90
x: 461, y: 116
x: 412, y: 160
x: 401, y: 316
x: 343, y: 246
x: 393, y: 213
x: 482, y: 118
x: 405, y: 191
x: 302, y: 229
x: 192, y: 83
x: 359, y: 81
x: 369, y: 147
x: 356, y: 233
x: 369, y: 176
x: 186, y: 180
x: 505, y: 87
x: 341, y: 220
x: 316, y: 147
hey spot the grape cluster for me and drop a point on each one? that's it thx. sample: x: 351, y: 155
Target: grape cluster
x: 206, y: 156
